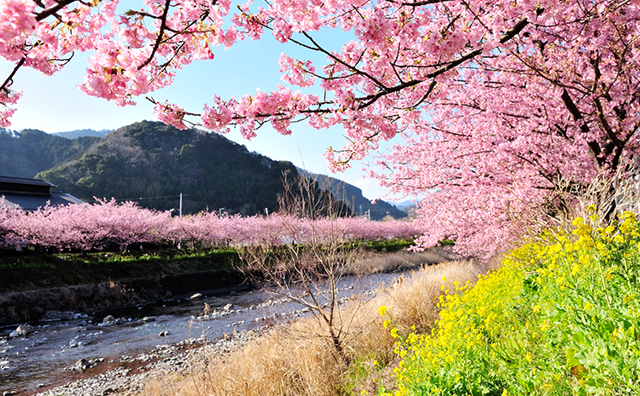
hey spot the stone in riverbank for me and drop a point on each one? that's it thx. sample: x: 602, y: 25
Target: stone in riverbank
x: 22, y: 331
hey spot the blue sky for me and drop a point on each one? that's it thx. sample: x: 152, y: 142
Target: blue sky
x: 54, y: 104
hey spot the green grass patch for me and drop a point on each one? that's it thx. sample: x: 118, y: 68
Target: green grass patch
x: 393, y: 245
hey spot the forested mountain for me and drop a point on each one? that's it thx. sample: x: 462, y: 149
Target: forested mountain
x: 24, y: 154
x: 153, y: 163
x: 83, y: 132
x: 353, y: 198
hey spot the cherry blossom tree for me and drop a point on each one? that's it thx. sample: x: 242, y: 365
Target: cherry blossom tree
x: 496, y: 100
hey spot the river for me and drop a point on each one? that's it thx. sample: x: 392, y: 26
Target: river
x: 46, y: 356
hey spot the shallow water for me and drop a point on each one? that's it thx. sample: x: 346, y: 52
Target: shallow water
x: 42, y: 356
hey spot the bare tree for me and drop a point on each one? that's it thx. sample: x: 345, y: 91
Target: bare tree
x: 308, y: 267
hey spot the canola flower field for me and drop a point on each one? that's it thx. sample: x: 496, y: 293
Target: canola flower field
x: 559, y: 317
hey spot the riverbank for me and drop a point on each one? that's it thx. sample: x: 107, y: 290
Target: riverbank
x: 34, y: 286
x: 62, y: 341
x: 299, y: 359
x: 290, y: 353
x: 126, y: 375
x: 47, y: 304
x: 32, y: 270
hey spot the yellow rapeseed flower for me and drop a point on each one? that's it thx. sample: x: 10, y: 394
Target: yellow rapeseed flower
x: 383, y: 310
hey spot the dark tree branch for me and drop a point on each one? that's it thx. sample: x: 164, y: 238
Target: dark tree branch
x: 52, y: 10
x: 7, y: 83
x: 335, y: 58
x: 163, y: 26
x: 577, y: 116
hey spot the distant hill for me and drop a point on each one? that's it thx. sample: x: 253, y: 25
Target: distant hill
x: 353, y: 198
x: 25, y: 153
x: 153, y: 163
x: 407, y: 204
x: 83, y: 132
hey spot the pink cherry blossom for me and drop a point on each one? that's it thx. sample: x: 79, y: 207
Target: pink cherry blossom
x: 108, y: 224
x: 494, y: 101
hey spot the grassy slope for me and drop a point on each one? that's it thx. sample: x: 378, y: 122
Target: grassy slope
x: 20, y: 271
x: 561, y: 317
x: 31, y: 271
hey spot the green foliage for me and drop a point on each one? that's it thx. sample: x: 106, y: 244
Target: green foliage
x: 560, y: 317
x: 393, y: 245
x: 24, y: 154
x: 154, y: 163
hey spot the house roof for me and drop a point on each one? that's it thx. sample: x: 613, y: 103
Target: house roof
x: 24, y: 180
x: 31, y: 194
x: 33, y: 202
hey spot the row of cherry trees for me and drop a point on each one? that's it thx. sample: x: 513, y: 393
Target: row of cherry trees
x: 108, y: 223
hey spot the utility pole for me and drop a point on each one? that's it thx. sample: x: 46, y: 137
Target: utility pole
x: 180, y: 204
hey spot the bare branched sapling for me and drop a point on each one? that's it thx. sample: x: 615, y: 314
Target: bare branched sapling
x: 311, y: 260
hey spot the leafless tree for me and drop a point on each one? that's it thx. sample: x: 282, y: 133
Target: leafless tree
x: 307, y: 268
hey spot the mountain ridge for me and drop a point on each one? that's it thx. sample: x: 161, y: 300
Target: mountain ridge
x: 152, y: 163
x: 82, y: 133
x: 352, y: 196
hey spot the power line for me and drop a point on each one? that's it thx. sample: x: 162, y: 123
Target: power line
x: 195, y: 194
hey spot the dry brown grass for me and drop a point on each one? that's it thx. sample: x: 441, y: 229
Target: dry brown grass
x: 384, y: 262
x: 297, y: 360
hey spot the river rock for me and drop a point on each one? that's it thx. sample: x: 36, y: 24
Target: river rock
x: 24, y: 329
x: 228, y: 307
x: 164, y: 333
x: 82, y: 365
x: 5, y: 365
x: 196, y: 296
x: 148, y: 319
x: 120, y: 321
x: 13, y: 333
x: 108, y: 319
